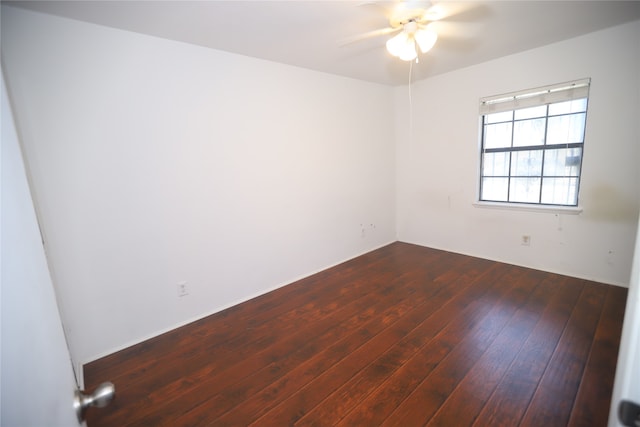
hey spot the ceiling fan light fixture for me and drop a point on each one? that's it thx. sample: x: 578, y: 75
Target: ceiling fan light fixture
x: 409, y: 51
x: 397, y: 44
x: 403, y: 44
x: 426, y: 38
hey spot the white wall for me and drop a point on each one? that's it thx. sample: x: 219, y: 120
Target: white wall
x: 437, y: 166
x: 155, y: 162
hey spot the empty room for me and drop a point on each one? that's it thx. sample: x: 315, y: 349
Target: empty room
x: 354, y: 213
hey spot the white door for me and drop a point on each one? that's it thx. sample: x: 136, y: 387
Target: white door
x: 37, y: 380
x: 627, y: 384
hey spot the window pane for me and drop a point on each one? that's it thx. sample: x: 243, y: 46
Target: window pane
x: 526, y: 163
x: 575, y: 106
x: 566, y: 129
x: 495, y: 164
x: 499, y: 117
x: 530, y: 113
x: 528, y: 132
x: 525, y: 190
x: 494, y: 189
x: 498, y: 135
x: 560, y: 191
x: 562, y: 162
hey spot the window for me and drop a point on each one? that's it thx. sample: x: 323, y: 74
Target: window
x: 532, y: 145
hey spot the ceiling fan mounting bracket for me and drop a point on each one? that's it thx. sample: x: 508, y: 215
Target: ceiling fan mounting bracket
x: 399, y: 20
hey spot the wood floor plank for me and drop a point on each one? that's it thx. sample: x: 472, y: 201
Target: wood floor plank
x: 308, y: 393
x: 594, y: 396
x: 553, y: 400
x: 350, y: 395
x: 315, y: 391
x: 467, y: 400
x: 451, y: 320
x: 510, y: 399
x: 434, y: 389
x: 405, y: 335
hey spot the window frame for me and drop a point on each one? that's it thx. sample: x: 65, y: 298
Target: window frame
x: 512, y: 102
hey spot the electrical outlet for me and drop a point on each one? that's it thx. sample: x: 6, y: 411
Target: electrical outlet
x: 183, y: 290
x: 526, y: 240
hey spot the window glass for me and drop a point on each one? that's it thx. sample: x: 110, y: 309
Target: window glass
x: 524, y: 190
x: 559, y: 191
x: 528, y: 132
x: 495, y: 189
x: 498, y: 135
x: 568, y: 107
x: 566, y: 129
x: 530, y: 113
x: 506, y: 116
x: 495, y: 164
x: 526, y: 163
x: 563, y: 162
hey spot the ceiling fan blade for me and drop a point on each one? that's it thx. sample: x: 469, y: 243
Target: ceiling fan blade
x: 449, y: 29
x: 401, y: 5
x: 370, y: 34
x: 385, y: 7
x: 456, y: 11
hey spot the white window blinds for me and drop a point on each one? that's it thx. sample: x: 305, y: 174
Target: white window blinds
x: 533, y: 97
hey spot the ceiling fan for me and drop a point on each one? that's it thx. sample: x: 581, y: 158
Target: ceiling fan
x: 414, y: 22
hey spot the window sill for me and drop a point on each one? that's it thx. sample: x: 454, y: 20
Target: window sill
x: 568, y: 210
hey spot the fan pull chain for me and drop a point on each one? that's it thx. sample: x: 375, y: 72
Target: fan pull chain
x: 410, y: 103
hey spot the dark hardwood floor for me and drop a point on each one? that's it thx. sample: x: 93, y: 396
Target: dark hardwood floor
x: 402, y: 336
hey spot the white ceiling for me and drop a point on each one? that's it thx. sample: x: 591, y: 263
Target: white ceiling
x: 319, y: 34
